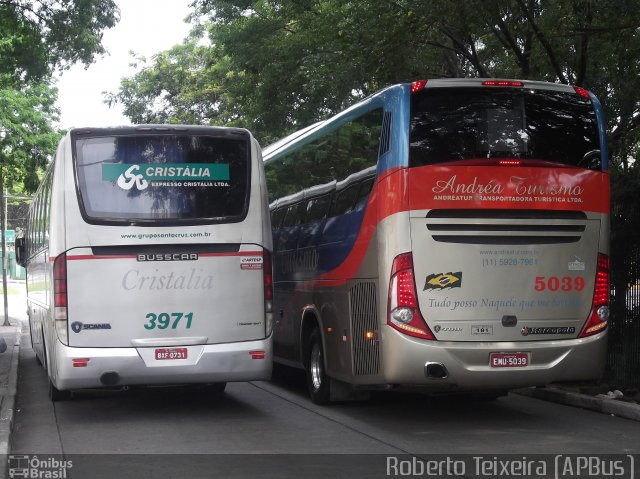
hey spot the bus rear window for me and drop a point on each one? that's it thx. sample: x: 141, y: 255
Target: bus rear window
x: 453, y: 124
x: 163, y: 178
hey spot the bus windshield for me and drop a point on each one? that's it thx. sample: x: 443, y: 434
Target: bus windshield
x: 162, y: 177
x: 453, y: 124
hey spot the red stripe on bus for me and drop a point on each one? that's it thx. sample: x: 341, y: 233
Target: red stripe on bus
x: 406, y: 189
x: 531, y: 188
x: 90, y: 256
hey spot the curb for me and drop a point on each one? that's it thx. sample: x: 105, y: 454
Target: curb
x: 605, y: 406
x: 8, y: 399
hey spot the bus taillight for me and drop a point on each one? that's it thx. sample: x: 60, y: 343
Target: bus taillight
x: 418, y: 85
x: 503, y: 83
x: 509, y: 162
x: 60, y: 296
x: 267, y: 272
x: 599, y: 317
x: 582, y: 92
x: 404, y: 313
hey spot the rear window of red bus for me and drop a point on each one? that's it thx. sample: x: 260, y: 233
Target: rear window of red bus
x: 454, y: 124
x: 163, y: 178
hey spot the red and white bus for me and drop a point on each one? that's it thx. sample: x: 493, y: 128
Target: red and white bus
x: 447, y: 234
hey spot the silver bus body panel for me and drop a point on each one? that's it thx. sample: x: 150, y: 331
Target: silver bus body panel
x: 209, y: 363
x: 495, y: 282
x: 468, y: 363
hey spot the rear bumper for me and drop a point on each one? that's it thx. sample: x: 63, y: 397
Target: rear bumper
x: 137, y: 366
x: 467, y: 363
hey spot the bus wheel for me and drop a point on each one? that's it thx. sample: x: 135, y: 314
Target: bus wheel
x: 317, y: 380
x: 217, y: 388
x: 56, y: 395
x: 38, y: 360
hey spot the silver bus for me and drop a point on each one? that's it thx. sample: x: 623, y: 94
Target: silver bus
x: 148, y: 256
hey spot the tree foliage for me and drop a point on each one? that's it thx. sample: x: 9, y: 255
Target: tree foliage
x: 26, y: 117
x: 274, y: 66
x: 37, y: 36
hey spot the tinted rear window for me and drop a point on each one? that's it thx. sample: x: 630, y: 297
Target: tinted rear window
x: 452, y: 124
x: 163, y: 178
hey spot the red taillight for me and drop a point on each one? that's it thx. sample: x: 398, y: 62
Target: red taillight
x: 582, y: 92
x: 599, y: 316
x: 418, y: 85
x: 268, y: 275
x: 404, y: 312
x: 60, y: 286
x: 503, y: 83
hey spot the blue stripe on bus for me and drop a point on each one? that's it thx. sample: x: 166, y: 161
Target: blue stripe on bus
x: 602, y: 132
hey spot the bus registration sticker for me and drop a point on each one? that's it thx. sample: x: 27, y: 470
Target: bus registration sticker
x: 171, y: 353
x: 509, y: 360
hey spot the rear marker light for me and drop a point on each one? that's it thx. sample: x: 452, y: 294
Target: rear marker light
x: 80, y: 362
x: 418, y: 85
x: 599, y: 316
x: 582, y: 92
x: 503, y: 83
x: 257, y: 354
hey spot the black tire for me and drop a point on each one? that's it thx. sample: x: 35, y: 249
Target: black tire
x: 56, y: 395
x: 487, y: 396
x: 41, y: 362
x: 317, y: 380
x: 216, y: 388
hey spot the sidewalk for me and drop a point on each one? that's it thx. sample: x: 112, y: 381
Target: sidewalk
x: 613, y: 407
x: 9, y: 360
x: 8, y: 382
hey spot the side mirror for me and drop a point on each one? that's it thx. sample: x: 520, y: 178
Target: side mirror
x: 20, y: 252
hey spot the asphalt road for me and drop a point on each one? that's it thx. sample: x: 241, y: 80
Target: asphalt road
x: 271, y: 429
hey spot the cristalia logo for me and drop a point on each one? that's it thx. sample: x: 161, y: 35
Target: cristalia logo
x: 129, y: 178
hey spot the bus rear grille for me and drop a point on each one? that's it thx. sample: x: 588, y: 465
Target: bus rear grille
x: 364, y: 319
x: 506, y: 226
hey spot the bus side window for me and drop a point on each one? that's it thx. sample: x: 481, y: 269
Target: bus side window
x: 277, y: 216
x: 318, y: 208
x: 363, y: 194
x: 294, y: 215
x: 344, y: 200
x: 290, y: 226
